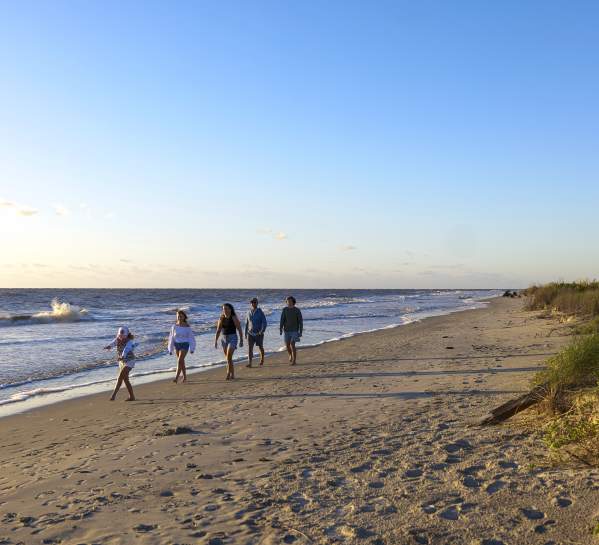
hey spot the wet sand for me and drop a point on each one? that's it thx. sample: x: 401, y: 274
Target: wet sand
x: 367, y: 440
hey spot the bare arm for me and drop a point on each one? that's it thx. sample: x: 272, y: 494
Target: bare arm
x: 238, y: 326
x: 219, y: 327
x: 171, y: 341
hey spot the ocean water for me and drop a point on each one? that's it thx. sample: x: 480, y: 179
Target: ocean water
x: 52, y: 340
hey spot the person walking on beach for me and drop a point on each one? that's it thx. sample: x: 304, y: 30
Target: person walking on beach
x: 292, y: 324
x: 255, y: 326
x: 182, y: 341
x: 228, y: 324
x: 124, y: 349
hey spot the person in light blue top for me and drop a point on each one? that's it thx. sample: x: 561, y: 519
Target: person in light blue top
x: 255, y: 326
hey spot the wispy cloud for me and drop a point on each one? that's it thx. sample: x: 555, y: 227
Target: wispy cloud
x: 278, y: 235
x: 19, y: 210
x: 348, y: 248
x: 61, y: 210
x: 26, y: 211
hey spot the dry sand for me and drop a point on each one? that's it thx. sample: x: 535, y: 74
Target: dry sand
x: 368, y: 440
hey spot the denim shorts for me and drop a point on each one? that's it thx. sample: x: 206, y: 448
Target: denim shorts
x: 291, y: 336
x: 182, y: 346
x: 229, y: 341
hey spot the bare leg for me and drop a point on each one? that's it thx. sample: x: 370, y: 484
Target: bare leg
x: 126, y: 371
x: 250, y: 351
x: 225, y: 352
x: 230, y: 368
x: 178, y: 371
x: 181, y: 364
x: 261, y: 350
x: 289, y: 351
x: 293, y: 353
x: 119, y: 382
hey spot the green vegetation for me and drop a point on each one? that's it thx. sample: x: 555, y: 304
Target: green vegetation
x: 571, y: 298
x: 576, y: 427
x: 572, y: 375
x: 588, y: 328
x: 575, y: 365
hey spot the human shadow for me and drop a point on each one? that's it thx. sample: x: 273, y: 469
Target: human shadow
x: 434, y: 358
x: 378, y: 374
x: 339, y: 395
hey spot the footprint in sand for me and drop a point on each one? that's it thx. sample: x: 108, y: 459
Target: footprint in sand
x: 361, y: 468
x: 142, y: 528
x: 532, y: 513
x: 543, y: 528
x: 461, y: 444
x: 451, y: 459
x: 562, y: 502
x: 451, y: 513
x: 495, y: 486
x: 471, y: 482
x: 381, y: 452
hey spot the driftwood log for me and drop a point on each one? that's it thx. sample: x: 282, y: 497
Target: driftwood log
x: 509, y: 409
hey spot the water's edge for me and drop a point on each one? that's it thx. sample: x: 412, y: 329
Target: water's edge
x: 52, y: 396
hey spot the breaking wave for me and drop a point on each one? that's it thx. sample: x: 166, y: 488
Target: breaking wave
x: 61, y: 312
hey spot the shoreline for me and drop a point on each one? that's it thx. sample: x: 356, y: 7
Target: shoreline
x: 40, y: 397
x: 366, y: 441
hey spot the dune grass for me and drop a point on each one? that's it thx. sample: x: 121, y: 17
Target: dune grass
x: 575, y: 365
x: 572, y: 298
x: 589, y: 327
x: 572, y: 399
x: 572, y: 375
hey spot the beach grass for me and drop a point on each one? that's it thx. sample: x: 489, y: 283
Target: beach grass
x: 572, y: 375
x: 572, y: 378
x: 579, y: 298
x: 575, y: 365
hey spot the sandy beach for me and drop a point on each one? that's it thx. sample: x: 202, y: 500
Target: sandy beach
x: 369, y: 440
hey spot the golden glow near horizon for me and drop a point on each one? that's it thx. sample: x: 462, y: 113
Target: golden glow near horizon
x: 58, y: 246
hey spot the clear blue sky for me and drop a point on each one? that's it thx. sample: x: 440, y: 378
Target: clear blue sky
x: 298, y: 144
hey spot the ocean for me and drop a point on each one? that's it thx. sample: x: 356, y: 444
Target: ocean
x: 51, y: 340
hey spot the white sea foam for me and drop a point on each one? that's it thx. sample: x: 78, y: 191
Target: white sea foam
x: 61, y: 312
x: 66, y: 361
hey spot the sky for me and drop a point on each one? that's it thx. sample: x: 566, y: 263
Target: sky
x: 382, y: 144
